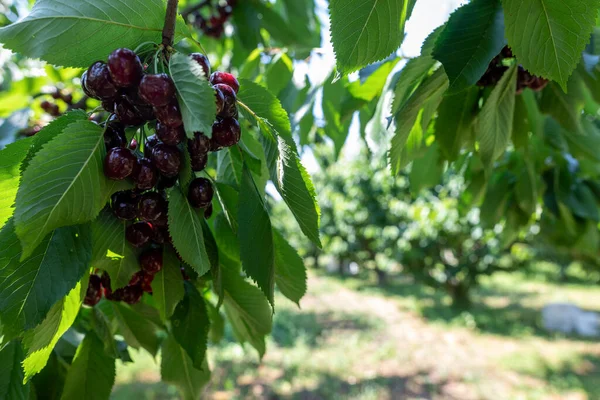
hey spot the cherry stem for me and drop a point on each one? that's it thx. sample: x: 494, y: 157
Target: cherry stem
x: 168, y: 33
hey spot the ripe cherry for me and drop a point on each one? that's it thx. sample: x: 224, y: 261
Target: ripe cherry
x: 99, y: 83
x: 84, y: 86
x: 230, y: 101
x: 208, y: 212
x: 169, y: 115
x: 127, y: 113
x: 119, y: 163
x: 151, y: 141
x: 132, y: 294
x: 199, y: 145
x: 125, y: 68
x: 139, y: 234
x: 226, y: 132
x: 114, y: 134
x: 200, y: 193
x: 203, y: 61
x: 170, y: 136
x: 219, y: 101
x: 153, y: 208
x: 124, y: 205
x: 145, y: 174
x: 161, y: 234
x: 167, y: 159
x: 226, y: 78
x: 151, y: 261
x: 157, y: 90
x: 199, y: 162
x: 106, y: 286
x: 165, y: 182
x: 94, y: 291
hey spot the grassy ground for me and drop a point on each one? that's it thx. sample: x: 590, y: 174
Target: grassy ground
x: 354, y: 340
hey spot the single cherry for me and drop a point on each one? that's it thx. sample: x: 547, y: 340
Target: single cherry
x: 145, y: 174
x: 132, y: 294
x: 167, y: 159
x: 151, y: 141
x: 161, y: 234
x: 124, y: 205
x: 127, y: 113
x: 169, y: 115
x: 125, y: 68
x: 94, y: 291
x: 200, y: 193
x: 226, y: 78
x: 119, y: 163
x: 203, y: 61
x: 151, y: 261
x: 99, y: 83
x: 170, y: 136
x: 139, y: 234
x: 157, y: 90
x: 199, y: 162
x: 153, y: 208
x: 165, y: 182
x: 229, y: 108
x: 226, y: 132
x: 199, y: 145
x: 219, y: 101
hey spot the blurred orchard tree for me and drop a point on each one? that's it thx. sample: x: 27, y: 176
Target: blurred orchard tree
x: 504, y: 107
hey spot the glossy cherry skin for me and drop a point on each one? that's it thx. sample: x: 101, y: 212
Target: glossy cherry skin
x: 229, y: 109
x: 208, y: 212
x: 125, y: 68
x: 94, y: 291
x: 226, y: 78
x: 119, y: 163
x: 169, y: 115
x: 157, y: 90
x: 199, y: 162
x: 203, y: 61
x: 167, y: 159
x: 226, y: 132
x: 99, y: 83
x: 151, y: 141
x: 170, y: 136
x: 151, y: 261
x: 199, y: 145
x: 139, y: 234
x: 127, y: 113
x: 145, y: 174
x: 200, y: 193
x: 153, y: 208
x: 125, y: 205
x: 132, y: 294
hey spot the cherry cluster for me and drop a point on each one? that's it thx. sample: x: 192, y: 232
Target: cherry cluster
x: 135, y: 98
x: 210, y: 17
x: 51, y: 107
x: 496, y: 70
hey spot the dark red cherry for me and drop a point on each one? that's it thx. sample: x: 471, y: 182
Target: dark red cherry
x: 153, y: 208
x: 124, y: 205
x: 147, y: 283
x: 169, y: 115
x: 99, y: 83
x: 94, y: 291
x: 226, y: 132
x: 200, y: 193
x: 161, y: 234
x: 145, y: 174
x: 167, y: 159
x: 151, y: 261
x: 203, y: 61
x: 119, y: 163
x: 165, y: 182
x: 84, y: 86
x: 208, y: 212
x: 114, y: 137
x: 132, y: 294
x: 157, y: 90
x: 137, y: 278
x: 127, y: 113
x: 125, y: 68
x: 139, y: 234
x: 199, y: 145
x: 229, y: 108
x: 219, y: 101
x: 109, y: 105
x: 170, y: 136
x: 226, y: 78
x: 106, y: 286
x: 199, y: 162
x: 151, y: 141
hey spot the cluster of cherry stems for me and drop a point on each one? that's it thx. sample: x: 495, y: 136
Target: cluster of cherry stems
x: 135, y: 98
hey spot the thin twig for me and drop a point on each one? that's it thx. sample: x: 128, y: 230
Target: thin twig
x: 168, y: 33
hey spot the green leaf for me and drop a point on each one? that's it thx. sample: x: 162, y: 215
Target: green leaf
x: 167, y: 286
x: 494, y: 205
x: 228, y: 199
x: 430, y: 91
x: 40, y: 341
x: 111, y: 250
x: 550, y: 46
x: 196, y: 95
x: 256, y: 236
x: 217, y: 323
x: 247, y: 310
x: 290, y: 272
x: 522, y: 124
x: 177, y: 369
x: 473, y: 35
x: 266, y: 106
x: 92, y: 374
x: 365, y: 31
x: 11, y: 373
x: 137, y: 329
x: 190, y: 325
x: 566, y: 108
x: 185, y: 227
x: 496, y: 119
x: 63, y: 185
x: 454, y: 124
x: 102, y: 325
x: 229, y: 166
x: 279, y: 74
x: 427, y: 170
x: 77, y: 36
x: 30, y: 288
x: 11, y: 158
x: 526, y: 190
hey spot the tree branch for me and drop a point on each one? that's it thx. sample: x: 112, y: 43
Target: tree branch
x: 168, y: 32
